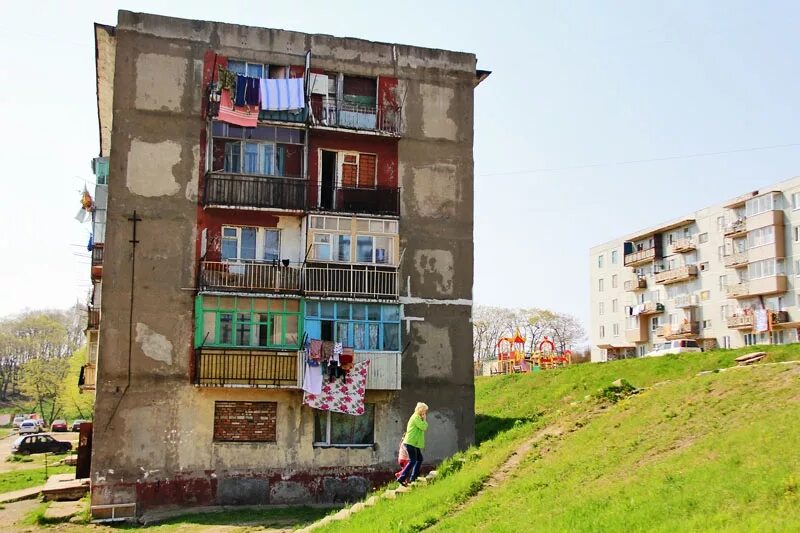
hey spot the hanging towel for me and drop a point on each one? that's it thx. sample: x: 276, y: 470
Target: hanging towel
x: 344, y: 395
x: 312, y: 380
x: 337, y: 351
x: 241, y: 89
x: 315, y: 349
x: 282, y: 95
x: 238, y: 116
x: 252, y: 93
x: 347, y: 359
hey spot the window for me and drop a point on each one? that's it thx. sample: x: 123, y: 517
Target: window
x: 723, y: 312
x: 765, y: 268
x: 600, y: 284
x: 703, y: 238
x: 705, y: 295
x: 796, y: 200
x: 600, y: 261
x: 641, y: 350
x: 797, y: 234
x: 364, y: 327
x: 343, y: 239
x: 245, y: 68
x: 250, y: 244
x: 726, y: 342
x: 614, y: 257
x: 721, y: 224
x: 762, y: 204
x: 723, y: 282
x: 602, y: 332
x: 601, y: 308
x: 654, y: 323
x: 750, y: 339
x: 614, y: 281
x: 338, y: 429
x: 261, y: 323
x: 703, y: 266
x: 614, y: 305
x: 632, y: 322
x: 706, y: 324
x: 260, y: 151
x: 777, y: 337
x: 615, y: 329
x: 761, y: 236
x: 797, y: 267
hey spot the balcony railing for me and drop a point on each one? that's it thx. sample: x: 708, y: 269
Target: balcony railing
x: 218, y: 367
x: 639, y: 257
x: 265, y: 192
x: 735, y: 260
x: 683, y: 245
x: 258, y: 277
x: 736, y: 290
x: 386, y: 119
x: 351, y: 281
x: 378, y: 201
x: 686, y: 300
x: 384, y: 370
x: 737, y: 227
x: 93, y: 318
x: 740, y: 321
x: 635, y: 284
x: 87, y: 379
x: 97, y: 254
x: 677, y: 274
x: 678, y: 331
x: 650, y: 308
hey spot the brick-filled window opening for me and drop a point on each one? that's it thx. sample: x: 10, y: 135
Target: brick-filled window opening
x: 364, y: 327
x: 337, y: 429
x: 240, y: 322
x: 245, y: 421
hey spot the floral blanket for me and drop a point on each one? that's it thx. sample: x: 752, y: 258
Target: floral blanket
x: 345, y: 395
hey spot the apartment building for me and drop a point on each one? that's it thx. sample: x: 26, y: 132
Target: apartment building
x: 269, y: 192
x: 724, y: 276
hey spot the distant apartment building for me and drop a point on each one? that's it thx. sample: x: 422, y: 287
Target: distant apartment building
x: 724, y: 276
x: 240, y: 235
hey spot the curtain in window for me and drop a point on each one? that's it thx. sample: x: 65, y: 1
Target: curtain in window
x: 363, y: 249
x: 267, y: 157
x: 233, y: 156
x: 272, y: 245
x: 343, y: 248
x: 248, y: 243
x: 251, y: 165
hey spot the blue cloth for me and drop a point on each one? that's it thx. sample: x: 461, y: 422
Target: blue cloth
x: 252, y: 93
x: 411, y: 470
x: 241, y: 89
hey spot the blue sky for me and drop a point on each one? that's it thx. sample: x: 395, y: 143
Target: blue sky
x: 579, y: 90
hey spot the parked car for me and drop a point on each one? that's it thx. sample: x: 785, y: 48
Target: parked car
x: 18, y: 420
x: 29, y: 426
x: 58, y: 425
x: 76, y: 424
x: 28, y: 444
x: 672, y: 347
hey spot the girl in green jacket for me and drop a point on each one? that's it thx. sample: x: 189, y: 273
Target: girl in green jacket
x: 414, y: 442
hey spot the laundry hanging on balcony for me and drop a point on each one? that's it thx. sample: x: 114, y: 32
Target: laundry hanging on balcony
x: 245, y: 116
x: 762, y: 320
x: 343, y: 395
x: 282, y: 95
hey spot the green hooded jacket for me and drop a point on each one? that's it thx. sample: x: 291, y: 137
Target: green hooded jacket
x: 415, y: 431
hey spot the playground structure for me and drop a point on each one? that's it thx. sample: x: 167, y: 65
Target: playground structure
x: 512, y: 357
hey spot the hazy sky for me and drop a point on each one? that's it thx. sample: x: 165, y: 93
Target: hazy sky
x: 584, y: 96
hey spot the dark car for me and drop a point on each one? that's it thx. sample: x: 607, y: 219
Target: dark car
x: 28, y: 444
x: 58, y: 425
x: 76, y: 424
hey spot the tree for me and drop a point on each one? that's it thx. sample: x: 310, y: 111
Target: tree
x: 41, y: 381
x: 75, y: 403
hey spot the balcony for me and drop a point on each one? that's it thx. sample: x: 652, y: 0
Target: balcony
x: 639, y: 334
x: 683, y: 245
x: 686, y: 300
x: 735, y: 260
x: 640, y: 257
x: 362, y: 201
x: 258, y: 192
x: 635, y: 284
x: 87, y: 379
x: 677, y: 275
x: 650, y: 308
x: 238, y: 367
x: 351, y: 281
x: 255, y: 277
x: 93, y: 318
x: 740, y: 321
x: 758, y: 287
x: 384, y: 119
x: 737, y: 228
x: 97, y: 261
x: 384, y: 370
x: 678, y: 331
x: 779, y: 317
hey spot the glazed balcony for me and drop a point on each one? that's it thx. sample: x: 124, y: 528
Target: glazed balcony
x: 677, y: 275
x: 635, y: 284
x: 758, y: 287
x: 737, y: 228
x: 256, y: 192
x: 351, y: 281
x: 735, y: 260
x: 384, y: 370
x: 242, y: 367
x: 383, y: 119
x: 250, y: 277
x: 683, y: 245
x: 640, y: 257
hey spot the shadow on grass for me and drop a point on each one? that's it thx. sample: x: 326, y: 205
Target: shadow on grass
x: 487, y: 426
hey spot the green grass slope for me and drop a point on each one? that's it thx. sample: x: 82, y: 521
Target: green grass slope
x: 711, y: 452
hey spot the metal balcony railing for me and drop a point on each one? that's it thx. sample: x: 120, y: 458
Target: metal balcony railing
x: 97, y: 254
x: 259, y: 277
x: 381, y: 118
x: 384, y: 369
x: 351, y: 281
x: 265, y: 192
x: 378, y: 201
x: 234, y: 367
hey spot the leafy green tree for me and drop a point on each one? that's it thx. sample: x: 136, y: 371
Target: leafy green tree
x: 42, y: 381
x: 76, y: 404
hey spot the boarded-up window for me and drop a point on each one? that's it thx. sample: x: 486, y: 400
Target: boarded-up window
x: 366, y: 170
x: 349, y: 170
x: 245, y: 421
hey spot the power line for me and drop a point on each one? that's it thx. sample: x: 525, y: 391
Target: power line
x: 635, y: 161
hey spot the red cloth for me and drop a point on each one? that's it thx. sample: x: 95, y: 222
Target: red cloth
x: 347, y: 359
x: 245, y: 116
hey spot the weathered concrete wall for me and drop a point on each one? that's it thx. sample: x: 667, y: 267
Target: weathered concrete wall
x: 153, y: 429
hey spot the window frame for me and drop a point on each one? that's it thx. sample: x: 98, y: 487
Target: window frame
x: 318, y: 226
x: 329, y: 417
x: 353, y: 323
x: 262, y: 234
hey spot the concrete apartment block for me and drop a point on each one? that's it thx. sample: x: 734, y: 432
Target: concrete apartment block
x: 191, y: 410
x: 723, y: 276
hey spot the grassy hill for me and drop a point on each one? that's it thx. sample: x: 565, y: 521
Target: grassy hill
x: 718, y: 451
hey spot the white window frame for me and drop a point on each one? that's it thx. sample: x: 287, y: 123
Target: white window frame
x: 614, y: 281
x: 261, y: 241
x: 600, y: 284
x: 615, y: 329
x: 321, y: 225
x: 795, y: 201
x: 600, y: 261
x: 614, y: 305
x: 327, y: 442
x: 614, y: 257
x: 601, y: 308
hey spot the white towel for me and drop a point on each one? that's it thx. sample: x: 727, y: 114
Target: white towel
x: 312, y: 380
x: 282, y: 95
